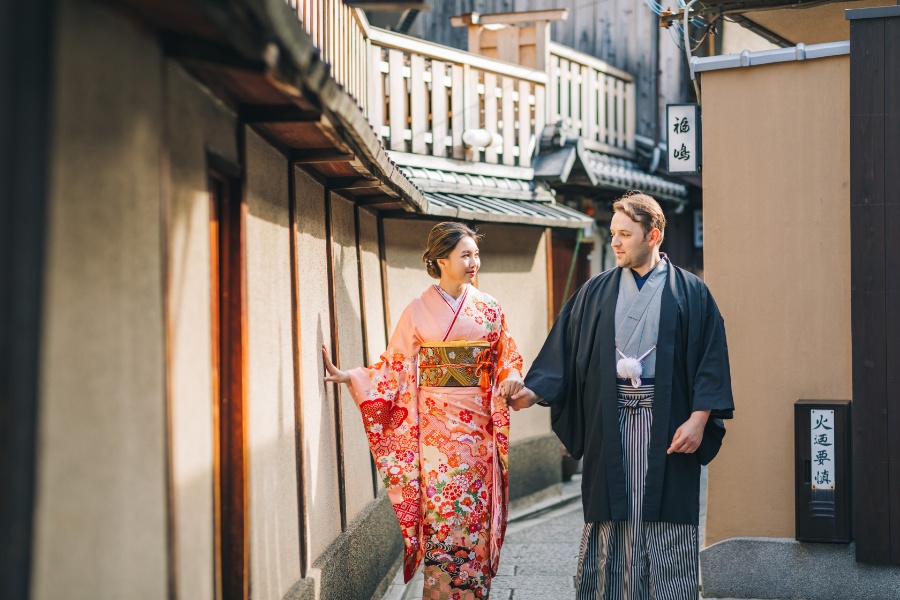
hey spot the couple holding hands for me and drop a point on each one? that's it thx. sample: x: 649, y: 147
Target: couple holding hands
x: 635, y: 372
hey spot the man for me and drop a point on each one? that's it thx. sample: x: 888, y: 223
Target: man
x: 635, y: 371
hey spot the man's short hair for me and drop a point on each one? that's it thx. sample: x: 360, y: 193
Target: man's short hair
x: 642, y: 209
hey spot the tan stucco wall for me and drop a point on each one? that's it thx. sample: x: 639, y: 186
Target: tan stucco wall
x: 404, y: 243
x: 319, y: 446
x: 100, y: 515
x: 815, y: 25
x: 197, y: 122
x: 376, y: 336
x: 358, y: 476
x: 777, y: 259
x: 271, y: 442
x: 514, y: 271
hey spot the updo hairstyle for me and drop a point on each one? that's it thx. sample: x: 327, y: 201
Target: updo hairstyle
x: 441, y: 241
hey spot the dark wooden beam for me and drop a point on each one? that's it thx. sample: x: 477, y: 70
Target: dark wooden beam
x: 27, y: 32
x: 193, y: 50
x: 320, y: 155
x: 278, y: 113
x: 380, y: 200
x: 353, y: 183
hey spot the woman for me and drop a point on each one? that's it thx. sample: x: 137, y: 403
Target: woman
x: 435, y: 413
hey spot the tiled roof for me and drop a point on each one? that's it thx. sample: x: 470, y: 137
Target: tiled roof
x: 492, y: 199
x: 625, y: 174
x: 486, y: 208
x: 603, y: 170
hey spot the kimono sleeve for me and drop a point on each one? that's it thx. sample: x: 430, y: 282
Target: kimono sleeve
x: 552, y: 377
x: 711, y: 388
x: 507, y: 360
x: 393, y: 378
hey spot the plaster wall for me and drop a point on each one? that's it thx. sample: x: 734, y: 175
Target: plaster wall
x: 318, y: 427
x: 100, y: 514
x: 373, y: 296
x: 777, y: 259
x: 514, y: 271
x: 196, y: 122
x: 358, y: 472
x: 269, y: 423
x: 404, y: 241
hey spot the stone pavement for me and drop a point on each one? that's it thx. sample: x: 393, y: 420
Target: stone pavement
x: 540, y: 554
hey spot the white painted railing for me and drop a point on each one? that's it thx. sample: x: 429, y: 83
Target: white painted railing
x: 341, y: 35
x: 424, y: 96
x: 421, y: 97
x: 592, y: 98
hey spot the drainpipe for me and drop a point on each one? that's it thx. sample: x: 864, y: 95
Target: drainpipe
x: 657, y: 130
x: 687, y: 47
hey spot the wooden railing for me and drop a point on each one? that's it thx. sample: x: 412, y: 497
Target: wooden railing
x: 341, y: 35
x: 592, y: 98
x: 421, y: 97
x: 424, y: 96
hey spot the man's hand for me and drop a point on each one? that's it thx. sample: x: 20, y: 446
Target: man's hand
x: 688, y: 437
x: 524, y: 398
x: 509, y: 387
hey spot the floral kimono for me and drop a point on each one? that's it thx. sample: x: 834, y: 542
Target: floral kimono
x: 440, y: 436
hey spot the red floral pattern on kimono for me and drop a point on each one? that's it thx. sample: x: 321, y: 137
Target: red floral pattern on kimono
x: 443, y: 451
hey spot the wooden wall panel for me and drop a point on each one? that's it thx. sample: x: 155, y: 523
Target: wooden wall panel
x: 874, y: 214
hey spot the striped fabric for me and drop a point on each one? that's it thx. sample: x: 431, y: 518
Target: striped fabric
x: 636, y: 560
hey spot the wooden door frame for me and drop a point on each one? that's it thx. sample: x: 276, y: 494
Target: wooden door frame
x: 229, y: 344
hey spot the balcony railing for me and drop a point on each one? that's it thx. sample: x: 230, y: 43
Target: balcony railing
x: 422, y: 97
x: 340, y: 34
x: 592, y: 98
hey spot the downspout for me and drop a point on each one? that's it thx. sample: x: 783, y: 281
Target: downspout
x: 657, y: 130
x: 687, y: 47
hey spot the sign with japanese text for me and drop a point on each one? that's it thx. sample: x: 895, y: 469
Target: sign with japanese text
x: 683, y: 141
x: 821, y: 423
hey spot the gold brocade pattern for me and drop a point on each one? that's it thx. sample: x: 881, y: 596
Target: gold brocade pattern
x: 455, y: 364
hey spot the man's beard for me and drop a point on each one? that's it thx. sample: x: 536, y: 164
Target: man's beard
x: 640, y: 258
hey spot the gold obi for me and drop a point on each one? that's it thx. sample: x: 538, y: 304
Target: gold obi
x: 455, y: 364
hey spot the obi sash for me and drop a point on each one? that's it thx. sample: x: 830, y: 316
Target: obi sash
x: 455, y: 364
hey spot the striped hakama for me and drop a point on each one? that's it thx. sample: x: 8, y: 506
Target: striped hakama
x: 633, y: 559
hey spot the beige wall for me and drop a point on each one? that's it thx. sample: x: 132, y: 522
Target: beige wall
x: 815, y: 25
x: 404, y: 241
x: 100, y: 515
x: 376, y: 336
x: 358, y: 475
x: 323, y: 517
x: 197, y: 122
x: 777, y: 258
x: 736, y: 38
x: 270, y: 424
x: 514, y: 271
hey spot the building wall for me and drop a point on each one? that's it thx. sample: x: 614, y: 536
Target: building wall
x: 196, y: 122
x: 514, y: 271
x: 319, y: 446
x: 358, y: 471
x: 100, y: 517
x: 777, y: 259
x: 126, y: 456
x: 270, y: 425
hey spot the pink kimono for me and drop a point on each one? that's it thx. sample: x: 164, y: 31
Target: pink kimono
x: 442, y: 448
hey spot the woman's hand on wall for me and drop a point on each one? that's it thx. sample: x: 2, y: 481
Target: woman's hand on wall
x: 334, y: 375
